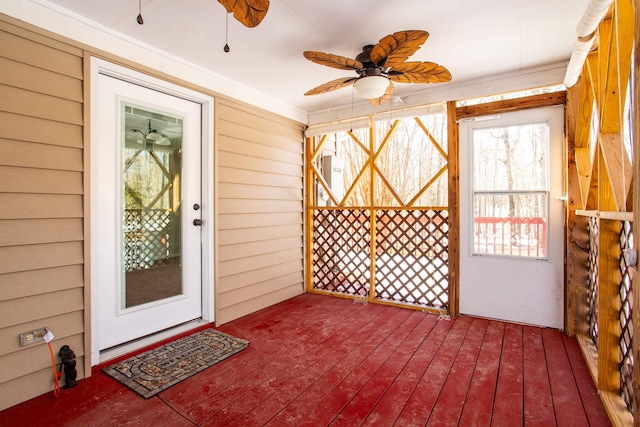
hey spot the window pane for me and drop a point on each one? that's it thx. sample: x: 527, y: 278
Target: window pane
x: 511, y: 158
x: 510, y: 224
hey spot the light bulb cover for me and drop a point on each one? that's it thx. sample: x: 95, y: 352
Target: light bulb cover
x: 371, y: 86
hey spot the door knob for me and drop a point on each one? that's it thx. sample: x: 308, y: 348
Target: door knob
x: 197, y: 222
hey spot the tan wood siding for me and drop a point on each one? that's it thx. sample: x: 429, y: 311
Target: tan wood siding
x: 259, y: 160
x: 258, y: 190
x: 41, y: 207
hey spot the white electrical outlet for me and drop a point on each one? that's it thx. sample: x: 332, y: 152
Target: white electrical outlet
x: 32, y: 337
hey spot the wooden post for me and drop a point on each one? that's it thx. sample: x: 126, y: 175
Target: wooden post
x: 454, y: 208
x: 608, y: 306
x: 635, y: 286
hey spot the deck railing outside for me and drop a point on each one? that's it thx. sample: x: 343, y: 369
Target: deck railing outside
x: 519, y: 236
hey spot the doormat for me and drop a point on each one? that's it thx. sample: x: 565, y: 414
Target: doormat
x: 158, y: 369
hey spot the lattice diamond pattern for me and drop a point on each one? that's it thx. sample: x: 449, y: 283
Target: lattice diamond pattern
x: 592, y: 295
x: 146, y: 237
x: 341, y: 251
x: 412, y: 255
x: 626, y: 364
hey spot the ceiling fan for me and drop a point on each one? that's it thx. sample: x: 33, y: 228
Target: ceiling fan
x: 378, y: 66
x: 249, y: 12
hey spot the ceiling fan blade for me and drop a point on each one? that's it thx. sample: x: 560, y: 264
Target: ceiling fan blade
x: 332, y: 85
x: 384, y: 98
x: 419, y: 72
x: 248, y: 12
x: 397, y: 47
x: 333, y: 61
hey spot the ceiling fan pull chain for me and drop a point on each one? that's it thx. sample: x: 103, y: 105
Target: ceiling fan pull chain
x: 226, y: 40
x: 139, y: 18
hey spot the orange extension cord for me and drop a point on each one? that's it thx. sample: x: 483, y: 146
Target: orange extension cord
x: 56, y: 374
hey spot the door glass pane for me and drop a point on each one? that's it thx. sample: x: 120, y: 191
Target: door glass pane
x: 511, y: 190
x: 151, y: 165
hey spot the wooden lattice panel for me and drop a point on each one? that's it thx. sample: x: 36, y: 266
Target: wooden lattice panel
x: 341, y: 251
x: 626, y: 328
x: 146, y: 237
x: 592, y: 294
x: 411, y: 257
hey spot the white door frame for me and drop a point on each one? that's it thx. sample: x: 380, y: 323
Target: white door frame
x: 98, y: 67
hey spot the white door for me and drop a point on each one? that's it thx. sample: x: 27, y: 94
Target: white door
x: 511, y: 217
x: 146, y: 211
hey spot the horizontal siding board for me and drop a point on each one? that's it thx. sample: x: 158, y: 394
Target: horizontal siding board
x: 256, y: 262
x: 244, y: 250
x: 233, y: 136
x: 42, y: 156
x: 35, y: 257
x: 231, y: 175
x: 252, y: 163
x: 62, y: 326
x: 46, y: 181
x: 29, y: 386
x: 258, y: 234
x: 258, y: 192
x: 267, y: 206
x: 236, y: 131
x: 38, y: 307
x: 20, y: 101
x: 246, y: 278
x: 239, y: 295
x: 23, y: 206
x: 261, y: 120
x: 36, y: 282
x: 33, y: 358
x: 246, y: 220
x: 41, y: 55
x: 24, y: 76
x: 259, y: 150
x: 16, y: 232
x: 251, y: 305
x: 34, y: 129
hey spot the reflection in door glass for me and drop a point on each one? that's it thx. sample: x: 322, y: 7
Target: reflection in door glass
x: 151, y: 156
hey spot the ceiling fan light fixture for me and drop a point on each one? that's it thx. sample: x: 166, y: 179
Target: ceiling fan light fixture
x: 371, y: 86
x: 134, y: 135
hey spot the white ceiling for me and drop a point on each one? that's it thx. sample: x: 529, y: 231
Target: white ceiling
x: 473, y: 39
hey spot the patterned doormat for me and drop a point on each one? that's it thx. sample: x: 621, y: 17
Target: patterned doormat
x: 158, y: 369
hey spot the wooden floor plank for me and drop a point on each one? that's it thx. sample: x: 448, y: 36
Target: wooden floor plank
x: 478, y: 405
x: 241, y: 382
x: 507, y: 407
x: 325, y: 386
x: 564, y: 392
x: 588, y: 391
x: 449, y: 406
x: 318, y: 360
x: 361, y: 404
x: 274, y: 403
x: 217, y: 385
x: 538, y: 406
x: 390, y: 405
x: 289, y: 367
x: 423, y: 399
x: 345, y: 391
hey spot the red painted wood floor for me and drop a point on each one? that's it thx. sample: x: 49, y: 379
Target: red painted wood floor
x: 316, y: 360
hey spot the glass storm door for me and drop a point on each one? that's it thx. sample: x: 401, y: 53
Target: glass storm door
x: 149, y: 176
x: 511, y: 217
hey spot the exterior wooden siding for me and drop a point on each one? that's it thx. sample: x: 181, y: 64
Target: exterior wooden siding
x: 41, y: 215
x: 260, y: 209
x: 258, y: 198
